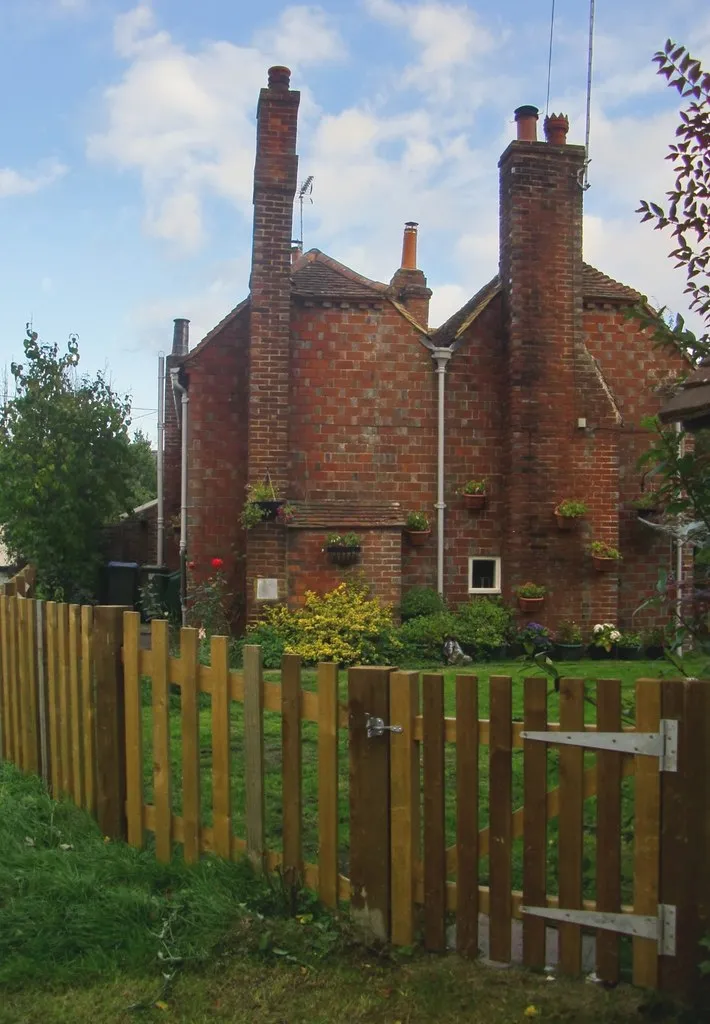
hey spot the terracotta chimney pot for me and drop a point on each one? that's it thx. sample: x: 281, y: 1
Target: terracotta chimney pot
x: 279, y: 77
x: 409, y: 246
x: 526, y: 119
x: 556, y: 127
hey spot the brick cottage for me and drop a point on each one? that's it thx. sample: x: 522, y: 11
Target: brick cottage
x: 335, y: 387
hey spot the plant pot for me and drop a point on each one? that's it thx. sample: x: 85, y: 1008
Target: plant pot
x: 418, y: 537
x: 568, y: 652
x: 600, y: 654
x: 270, y: 509
x: 653, y: 653
x: 339, y: 554
x: 605, y: 564
x: 566, y: 523
x: 530, y: 604
x: 474, y: 501
x: 629, y: 653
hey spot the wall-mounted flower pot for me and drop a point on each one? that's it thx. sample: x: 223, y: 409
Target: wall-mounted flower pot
x: 270, y: 509
x: 475, y: 502
x: 418, y: 537
x: 530, y: 604
x: 605, y: 564
x: 567, y: 523
x: 339, y: 554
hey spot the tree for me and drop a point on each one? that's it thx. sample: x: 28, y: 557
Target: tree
x: 145, y: 473
x: 66, y: 467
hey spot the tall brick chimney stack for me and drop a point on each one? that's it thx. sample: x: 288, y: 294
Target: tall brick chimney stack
x: 541, y: 275
x: 275, y: 176
x: 409, y: 283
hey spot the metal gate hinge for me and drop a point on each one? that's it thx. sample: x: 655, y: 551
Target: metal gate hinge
x: 376, y: 727
x: 662, y: 928
x: 662, y: 744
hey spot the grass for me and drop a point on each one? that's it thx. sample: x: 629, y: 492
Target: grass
x: 89, y: 928
x: 627, y: 672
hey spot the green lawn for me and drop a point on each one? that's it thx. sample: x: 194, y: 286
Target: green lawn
x: 627, y: 672
x: 89, y: 929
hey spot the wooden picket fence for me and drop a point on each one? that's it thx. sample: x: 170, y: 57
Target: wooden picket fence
x: 126, y: 732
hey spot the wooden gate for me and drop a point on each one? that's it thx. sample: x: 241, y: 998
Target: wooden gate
x: 512, y: 833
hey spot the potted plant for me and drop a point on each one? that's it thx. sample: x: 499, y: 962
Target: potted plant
x: 474, y: 494
x: 343, y: 548
x: 417, y: 528
x: 262, y: 504
x: 569, y: 512
x: 605, y: 636
x: 531, y: 596
x: 653, y: 642
x: 568, y: 641
x: 605, y: 557
x: 648, y: 505
x: 629, y: 646
x: 535, y: 638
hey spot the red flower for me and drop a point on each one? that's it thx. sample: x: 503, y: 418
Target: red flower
x: 217, y: 563
x: 191, y: 565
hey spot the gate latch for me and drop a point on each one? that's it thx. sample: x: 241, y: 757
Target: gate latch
x: 376, y: 727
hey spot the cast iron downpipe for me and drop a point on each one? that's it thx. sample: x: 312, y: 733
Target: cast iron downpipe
x: 441, y: 358
x: 160, y: 540
x: 179, y: 388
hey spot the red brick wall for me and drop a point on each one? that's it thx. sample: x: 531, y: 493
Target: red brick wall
x: 217, y: 454
x: 309, y: 567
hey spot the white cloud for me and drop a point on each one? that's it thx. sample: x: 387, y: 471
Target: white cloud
x: 304, y: 35
x: 14, y: 183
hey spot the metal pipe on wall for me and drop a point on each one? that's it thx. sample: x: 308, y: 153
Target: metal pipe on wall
x: 184, y: 401
x: 441, y: 357
x: 160, y: 539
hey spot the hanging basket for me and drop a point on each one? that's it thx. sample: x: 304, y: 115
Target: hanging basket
x: 567, y: 523
x: 530, y: 604
x: 605, y: 564
x: 475, y: 502
x: 418, y: 537
x: 270, y: 509
x: 341, y: 555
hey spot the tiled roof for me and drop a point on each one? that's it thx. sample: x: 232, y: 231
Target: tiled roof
x: 456, y: 324
x: 316, y: 275
x: 596, y: 285
x: 346, y: 514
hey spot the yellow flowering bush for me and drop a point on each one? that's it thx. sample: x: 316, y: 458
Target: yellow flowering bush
x: 345, y: 625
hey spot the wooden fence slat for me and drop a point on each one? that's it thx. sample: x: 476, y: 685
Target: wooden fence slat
x: 7, y: 749
x: 110, y: 718
x: 134, y: 728
x: 65, y: 781
x: 16, y: 681
x: 500, y: 810
x: 41, y: 663
x: 434, y: 774
x: 467, y: 855
x: 534, y: 821
x: 88, y: 703
x: 254, y: 753
x: 190, y: 712
x: 53, y: 710
x: 291, y: 766
x: 647, y: 829
x: 328, y: 784
x: 28, y: 676
x: 75, y: 701
x: 609, y: 777
x: 161, y: 741
x: 571, y: 824
x: 404, y: 797
x: 221, y: 734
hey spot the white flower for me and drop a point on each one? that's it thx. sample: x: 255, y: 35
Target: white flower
x: 597, y: 629
x: 615, y: 635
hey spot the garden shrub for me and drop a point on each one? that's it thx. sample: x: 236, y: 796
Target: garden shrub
x: 484, y: 623
x: 423, y: 637
x: 419, y: 601
x: 345, y: 625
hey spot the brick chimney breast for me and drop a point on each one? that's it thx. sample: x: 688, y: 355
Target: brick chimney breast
x: 409, y: 283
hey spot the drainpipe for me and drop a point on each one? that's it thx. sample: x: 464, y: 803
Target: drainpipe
x: 179, y: 388
x: 441, y: 358
x: 679, y: 560
x: 160, y: 540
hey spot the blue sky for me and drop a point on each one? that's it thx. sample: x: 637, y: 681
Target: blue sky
x: 125, y: 176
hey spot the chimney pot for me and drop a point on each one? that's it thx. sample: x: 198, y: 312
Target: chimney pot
x: 409, y: 246
x: 526, y: 119
x: 556, y: 127
x: 181, y: 336
x: 279, y: 77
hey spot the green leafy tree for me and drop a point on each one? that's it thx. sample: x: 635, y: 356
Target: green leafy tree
x: 145, y: 474
x: 66, y: 467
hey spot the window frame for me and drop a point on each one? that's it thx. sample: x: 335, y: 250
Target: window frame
x: 497, y: 574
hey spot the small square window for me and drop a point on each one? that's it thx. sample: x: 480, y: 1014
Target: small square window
x: 484, y: 575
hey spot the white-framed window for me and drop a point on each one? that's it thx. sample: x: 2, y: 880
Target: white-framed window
x: 483, y: 575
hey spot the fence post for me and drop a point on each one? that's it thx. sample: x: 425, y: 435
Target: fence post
x: 109, y: 721
x: 685, y: 837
